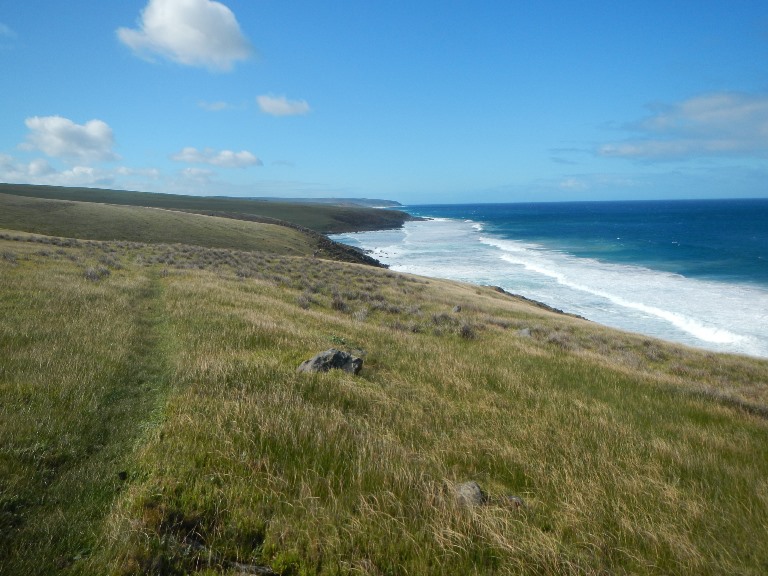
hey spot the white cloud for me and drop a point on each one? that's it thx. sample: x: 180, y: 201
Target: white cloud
x: 573, y: 184
x: 40, y: 167
x: 281, y: 106
x: 214, y: 106
x: 191, y: 32
x: 61, y: 138
x: 150, y: 173
x: 223, y: 158
x: 719, y: 124
x: 197, y: 175
x: 39, y: 171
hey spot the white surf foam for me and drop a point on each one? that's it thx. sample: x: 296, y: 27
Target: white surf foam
x: 712, y: 315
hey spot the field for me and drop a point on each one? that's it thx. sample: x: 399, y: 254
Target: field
x: 96, y: 221
x: 153, y: 422
x: 318, y: 217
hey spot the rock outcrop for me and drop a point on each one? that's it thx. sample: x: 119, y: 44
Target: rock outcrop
x: 332, y: 360
x: 470, y: 494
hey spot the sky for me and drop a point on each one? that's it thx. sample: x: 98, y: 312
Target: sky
x: 415, y: 101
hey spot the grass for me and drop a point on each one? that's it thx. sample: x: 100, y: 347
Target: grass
x: 85, y: 220
x: 153, y: 422
x: 81, y: 370
x: 319, y: 217
x: 106, y: 222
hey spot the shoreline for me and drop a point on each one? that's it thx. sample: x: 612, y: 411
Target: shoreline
x: 677, y: 313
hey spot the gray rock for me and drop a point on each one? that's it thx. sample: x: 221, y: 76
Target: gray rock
x: 525, y: 333
x: 457, y: 308
x: 514, y: 502
x: 332, y: 360
x: 470, y: 494
x: 245, y: 569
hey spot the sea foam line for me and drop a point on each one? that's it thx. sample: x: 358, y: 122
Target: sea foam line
x: 660, y: 304
x: 692, y: 326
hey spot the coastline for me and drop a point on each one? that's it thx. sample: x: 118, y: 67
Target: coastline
x: 626, y: 297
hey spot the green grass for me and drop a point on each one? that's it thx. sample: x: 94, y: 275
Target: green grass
x: 319, y: 217
x: 86, y: 220
x: 82, y: 368
x: 155, y: 423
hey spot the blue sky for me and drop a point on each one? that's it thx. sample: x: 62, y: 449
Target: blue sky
x: 417, y: 101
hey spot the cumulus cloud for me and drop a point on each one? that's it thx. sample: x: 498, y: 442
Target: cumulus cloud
x: 40, y: 171
x: 197, y: 172
x: 718, y: 124
x: 61, y: 138
x: 281, y: 106
x: 200, y: 33
x: 222, y: 158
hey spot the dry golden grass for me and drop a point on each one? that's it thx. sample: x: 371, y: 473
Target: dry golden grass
x: 631, y: 455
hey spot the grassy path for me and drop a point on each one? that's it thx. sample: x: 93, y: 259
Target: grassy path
x: 154, y: 423
x: 83, y: 370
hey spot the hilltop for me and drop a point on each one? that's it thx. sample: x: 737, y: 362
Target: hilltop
x: 128, y: 219
x: 318, y: 216
x: 153, y: 421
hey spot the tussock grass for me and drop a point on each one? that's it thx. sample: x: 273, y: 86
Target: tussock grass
x: 630, y: 455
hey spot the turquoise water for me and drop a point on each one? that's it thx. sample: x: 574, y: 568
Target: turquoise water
x: 694, y: 272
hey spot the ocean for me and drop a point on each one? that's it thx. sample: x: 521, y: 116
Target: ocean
x: 688, y: 271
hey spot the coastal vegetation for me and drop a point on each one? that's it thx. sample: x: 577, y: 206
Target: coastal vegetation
x: 153, y: 422
x: 318, y: 216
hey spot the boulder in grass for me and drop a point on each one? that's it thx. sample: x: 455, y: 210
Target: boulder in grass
x: 332, y: 360
x: 470, y: 494
x: 514, y: 502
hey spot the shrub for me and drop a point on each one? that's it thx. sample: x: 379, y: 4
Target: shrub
x: 304, y: 300
x: 467, y: 332
x: 110, y: 262
x: 338, y: 303
x: 561, y: 339
x: 95, y: 274
x: 444, y: 319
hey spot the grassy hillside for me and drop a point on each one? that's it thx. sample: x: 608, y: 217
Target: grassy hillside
x: 153, y: 422
x: 319, y: 217
x: 87, y: 220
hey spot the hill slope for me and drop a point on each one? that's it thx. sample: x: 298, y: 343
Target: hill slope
x: 319, y: 217
x: 93, y: 221
x: 153, y: 422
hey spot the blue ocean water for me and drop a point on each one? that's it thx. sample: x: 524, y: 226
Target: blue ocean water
x: 694, y: 272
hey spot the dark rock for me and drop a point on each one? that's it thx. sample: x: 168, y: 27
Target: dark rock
x: 536, y: 303
x: 457, y: 308
x: 470, y: 494
x: 330, y: 360
x: 243, y: 569
x: 514, y: 502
